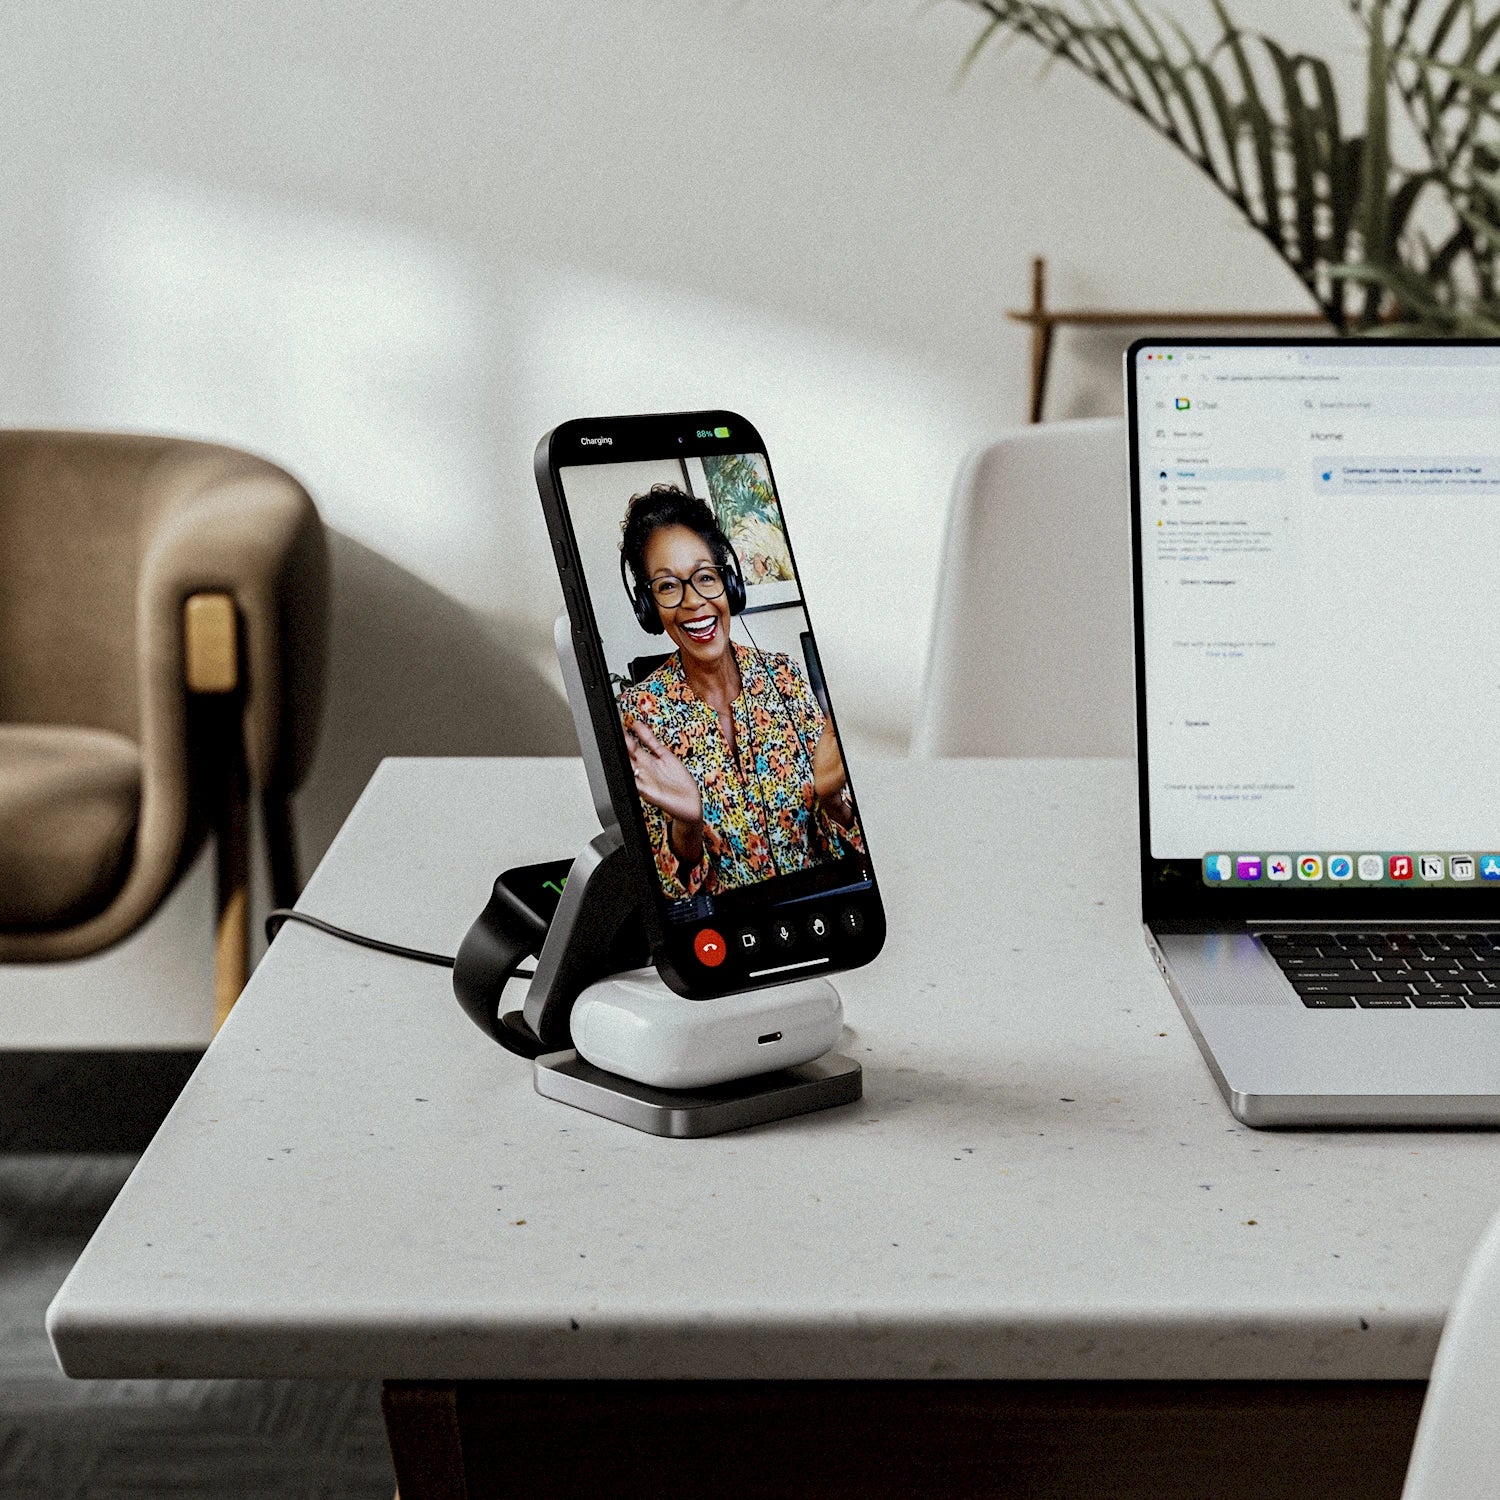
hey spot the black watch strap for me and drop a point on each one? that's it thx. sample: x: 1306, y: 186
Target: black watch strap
x: 505, y: 933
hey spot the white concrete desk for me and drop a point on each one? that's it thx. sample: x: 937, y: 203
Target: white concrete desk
x: 1041, y: 1184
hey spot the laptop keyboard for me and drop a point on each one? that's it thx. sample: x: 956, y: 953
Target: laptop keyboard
x: 1390, y: 970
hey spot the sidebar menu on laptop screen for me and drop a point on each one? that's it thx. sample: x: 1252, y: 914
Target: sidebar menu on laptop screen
x: 1320, y: 598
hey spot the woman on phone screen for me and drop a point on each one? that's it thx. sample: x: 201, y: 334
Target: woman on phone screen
x: 739, y: 772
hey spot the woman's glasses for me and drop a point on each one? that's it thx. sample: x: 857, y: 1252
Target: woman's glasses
x: 669, y: 590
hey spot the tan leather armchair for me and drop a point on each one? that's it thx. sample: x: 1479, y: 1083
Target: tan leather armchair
x: 163, y: 621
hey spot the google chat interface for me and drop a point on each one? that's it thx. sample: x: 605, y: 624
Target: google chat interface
x: 1320, y: 575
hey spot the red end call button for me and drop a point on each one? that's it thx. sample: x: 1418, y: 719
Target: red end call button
x: 710, y: 948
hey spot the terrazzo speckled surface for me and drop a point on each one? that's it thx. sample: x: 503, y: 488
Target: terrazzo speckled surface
x: 1041, y: 1181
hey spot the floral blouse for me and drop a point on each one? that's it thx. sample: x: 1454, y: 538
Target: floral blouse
x: 757, y: 822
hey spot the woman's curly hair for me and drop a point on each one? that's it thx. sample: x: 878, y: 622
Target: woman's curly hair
x: 666, y: 505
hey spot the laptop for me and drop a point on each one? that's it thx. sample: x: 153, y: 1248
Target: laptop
x: 1316, y: 537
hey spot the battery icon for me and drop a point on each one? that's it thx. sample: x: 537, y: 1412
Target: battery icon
x: 721, y: 432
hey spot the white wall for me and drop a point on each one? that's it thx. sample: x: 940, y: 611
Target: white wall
x: 388, y: 245
x: 597, y: 496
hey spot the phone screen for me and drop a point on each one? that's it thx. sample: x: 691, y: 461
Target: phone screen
x: 722, y: 711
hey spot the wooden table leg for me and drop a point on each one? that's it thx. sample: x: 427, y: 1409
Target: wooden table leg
x: 903, y: 1440
x: 1042, y: 330
x: 421, y: 1424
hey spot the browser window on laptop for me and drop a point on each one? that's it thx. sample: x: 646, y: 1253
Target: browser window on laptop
x: 1319, y: 575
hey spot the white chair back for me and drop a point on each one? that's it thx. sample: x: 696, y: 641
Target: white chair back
x: 1032, y: 640
x: 1457, y: 1452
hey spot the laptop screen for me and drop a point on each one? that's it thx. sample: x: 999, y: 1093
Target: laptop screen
x: 1317, y: 532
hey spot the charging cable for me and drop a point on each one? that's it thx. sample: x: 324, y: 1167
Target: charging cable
x: 276, y: 919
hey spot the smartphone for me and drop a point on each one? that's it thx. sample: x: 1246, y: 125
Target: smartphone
x: 707, y: 700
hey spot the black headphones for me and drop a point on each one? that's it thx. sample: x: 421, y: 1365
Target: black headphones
x: 639, y: 592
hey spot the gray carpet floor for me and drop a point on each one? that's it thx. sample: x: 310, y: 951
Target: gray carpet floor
x: 107, y: 1440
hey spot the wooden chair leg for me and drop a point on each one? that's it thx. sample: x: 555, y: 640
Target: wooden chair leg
x: 232, y: 929
x: 281, y: 847
x: 213, y: 676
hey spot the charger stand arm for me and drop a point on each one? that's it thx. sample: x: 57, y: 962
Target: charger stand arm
x: 598, y: 900
x: 583, y: 724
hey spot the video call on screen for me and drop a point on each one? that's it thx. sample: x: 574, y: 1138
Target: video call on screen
x: 762, y: 816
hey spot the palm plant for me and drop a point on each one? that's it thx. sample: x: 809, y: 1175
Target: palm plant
x: 1380, y: 247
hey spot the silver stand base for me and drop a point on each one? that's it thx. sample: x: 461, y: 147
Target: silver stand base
x: 826, y: 1081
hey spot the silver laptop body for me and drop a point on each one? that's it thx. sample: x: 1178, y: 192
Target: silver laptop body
x: 1316, y: 537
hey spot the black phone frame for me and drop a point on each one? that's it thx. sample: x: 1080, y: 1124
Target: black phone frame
x: 626, y: 439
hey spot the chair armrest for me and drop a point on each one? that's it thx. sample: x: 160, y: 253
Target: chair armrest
x: 251, y: 534
x: 210, y: 644
x: 220, y: 522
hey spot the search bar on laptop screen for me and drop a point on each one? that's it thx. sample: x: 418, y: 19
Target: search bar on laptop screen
x: 1405, y: 356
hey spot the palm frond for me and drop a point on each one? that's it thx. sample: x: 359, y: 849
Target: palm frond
x: 1265, y: 126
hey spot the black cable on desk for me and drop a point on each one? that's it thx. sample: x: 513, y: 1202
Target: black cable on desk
x: 283, y: 914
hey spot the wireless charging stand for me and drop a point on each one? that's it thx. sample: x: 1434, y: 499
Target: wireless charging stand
x: 635, y: 1016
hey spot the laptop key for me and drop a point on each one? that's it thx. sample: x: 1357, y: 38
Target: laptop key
x: 1439, y: 1002
x: 1383, y: 1002
x: 1484, y: 1002
x: 1340, y: 987
x: 1328, y: 1002
x: 1439, y: 989
x: 1397, y: 976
